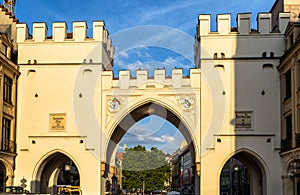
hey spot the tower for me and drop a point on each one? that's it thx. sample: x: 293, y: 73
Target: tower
x: 11, y: 6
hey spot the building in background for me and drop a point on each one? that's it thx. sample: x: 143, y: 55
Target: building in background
x: 289, y: 69
x: 175, y: 171
x: 9, y: 73
x: 287, y: 6
x: 187, y: 178
x: 182, y: 170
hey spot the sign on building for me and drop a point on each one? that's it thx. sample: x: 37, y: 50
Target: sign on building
x: 58, y: 121
x: 243, y: 120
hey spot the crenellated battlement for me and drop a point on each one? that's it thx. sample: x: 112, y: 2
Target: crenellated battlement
x: 59, y: 32
x: 64, y: 46
x: 159, y: 80
x: 264, y: 24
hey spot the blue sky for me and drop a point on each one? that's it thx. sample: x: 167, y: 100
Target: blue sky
x: 120, y: 15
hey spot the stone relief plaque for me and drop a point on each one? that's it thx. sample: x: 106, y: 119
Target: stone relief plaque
x: 243, y: 119
x: 57, y: 121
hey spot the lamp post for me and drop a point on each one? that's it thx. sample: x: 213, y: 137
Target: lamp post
x: 294, y: 171
x: 143, y: 187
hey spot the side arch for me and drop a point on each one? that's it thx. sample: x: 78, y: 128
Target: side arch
x: 286, y: 165
x: 45, y: 174
x: 9, y: 171
x: 290, y: 175
x: 257, y: 167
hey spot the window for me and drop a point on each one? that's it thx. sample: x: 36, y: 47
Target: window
x: 288, y: 85
x: 7, y: 91
x: 288, y: 127
x: 5, y: 134
x: 4, y: 49
x: 222, y: 55
x: 219, y: 66
x: 298, y: 75
x: 291, y: 37
x: 215, y: 55
x: 297, y: 129
x: 267, y: 68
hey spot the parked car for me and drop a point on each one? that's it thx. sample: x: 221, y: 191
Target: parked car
x: 71, y: 190
x: 13, y: 190
x: 159, y: 192
x: 173, y: 193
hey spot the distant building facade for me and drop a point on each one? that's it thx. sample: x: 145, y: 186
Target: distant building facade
x: 187, y: 179
x: 9, y: 73
x: 289, y: 69
x: 287, y: 6
x: 183, y: 170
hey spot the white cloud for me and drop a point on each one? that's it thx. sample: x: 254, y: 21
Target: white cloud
x: 166, y: 142
x: 159, y: 12
x: 124, y: 54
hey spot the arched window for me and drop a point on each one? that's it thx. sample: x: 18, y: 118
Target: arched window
x: 215, y: 55
x: 222, y: 55
x: 220, y: 67
x: 267, y: 68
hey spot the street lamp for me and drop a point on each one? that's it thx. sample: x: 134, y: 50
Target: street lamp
x: 143, y: 187
x: 236, y: 170
x: 67, y: 166
x: 295, y: 166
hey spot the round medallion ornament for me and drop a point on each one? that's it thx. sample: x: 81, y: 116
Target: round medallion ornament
x: 114, y: 104
x: 186, y: 103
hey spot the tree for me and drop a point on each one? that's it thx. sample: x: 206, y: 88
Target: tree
x: 148, y: 166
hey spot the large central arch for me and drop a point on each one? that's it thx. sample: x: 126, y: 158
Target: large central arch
x: 146, y: 109
x: 142, y: 111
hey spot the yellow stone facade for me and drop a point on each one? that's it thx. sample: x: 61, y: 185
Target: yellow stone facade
x: 72, y: 109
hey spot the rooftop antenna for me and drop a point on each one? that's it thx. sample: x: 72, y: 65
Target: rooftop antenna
x: 11, y: 6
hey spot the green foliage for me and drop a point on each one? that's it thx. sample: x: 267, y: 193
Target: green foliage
x: 141, y: 165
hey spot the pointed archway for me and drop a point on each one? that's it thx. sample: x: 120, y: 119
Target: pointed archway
x: 56, y: 170
x: 243, y: 174
x: 143, y: 111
